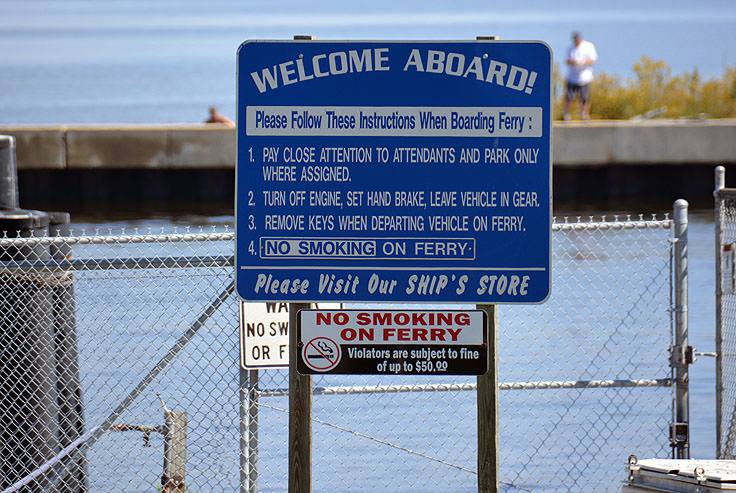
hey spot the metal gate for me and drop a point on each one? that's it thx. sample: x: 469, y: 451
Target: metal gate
x: 725, y: 242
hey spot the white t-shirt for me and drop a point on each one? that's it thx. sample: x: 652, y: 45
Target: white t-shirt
x: 577, y: 73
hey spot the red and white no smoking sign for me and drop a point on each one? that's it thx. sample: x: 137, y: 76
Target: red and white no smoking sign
x: 392, y: 342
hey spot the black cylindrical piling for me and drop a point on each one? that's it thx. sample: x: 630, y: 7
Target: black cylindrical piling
x: 29, y: 429
x: 40, y: 391
x: 8, y: 174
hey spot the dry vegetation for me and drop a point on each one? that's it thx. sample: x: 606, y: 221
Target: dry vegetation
x: 654, y: 92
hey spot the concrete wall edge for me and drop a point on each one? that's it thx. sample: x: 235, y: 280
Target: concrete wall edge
x: 173, y: 146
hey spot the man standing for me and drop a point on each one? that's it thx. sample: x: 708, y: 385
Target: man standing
x: 580, y: 59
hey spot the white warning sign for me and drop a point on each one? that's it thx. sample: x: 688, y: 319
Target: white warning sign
x: 264, y: 334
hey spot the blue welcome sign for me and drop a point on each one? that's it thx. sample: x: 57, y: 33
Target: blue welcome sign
x: 383, y: 171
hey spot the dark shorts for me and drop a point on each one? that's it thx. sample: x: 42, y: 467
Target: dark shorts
x: 574, y: 90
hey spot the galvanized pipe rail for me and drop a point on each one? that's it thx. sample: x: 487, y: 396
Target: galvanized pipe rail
x: 90, y: 264
x: 187, y: 237
x: 458, y: 387
x: 615, y: 224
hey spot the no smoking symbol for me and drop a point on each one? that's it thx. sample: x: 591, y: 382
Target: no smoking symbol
x: 321, y: 354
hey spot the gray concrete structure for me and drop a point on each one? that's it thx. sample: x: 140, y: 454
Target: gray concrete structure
x: 200, y: 146
x: 155, y: 146
x: 38, y: 147
x: 601, y: 162
x: 644, y: 142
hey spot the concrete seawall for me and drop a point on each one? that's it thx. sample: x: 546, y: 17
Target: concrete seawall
x: 123, y: 146
x: 592, y: 161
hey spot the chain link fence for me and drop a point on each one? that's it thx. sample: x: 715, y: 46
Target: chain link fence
x: 725, y: 226
x: 120, y: 372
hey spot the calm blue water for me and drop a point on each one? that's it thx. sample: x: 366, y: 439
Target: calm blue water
x: 701, y: 319
x: 86, y: 61
x: 701, y: 299
x: 555, y: 341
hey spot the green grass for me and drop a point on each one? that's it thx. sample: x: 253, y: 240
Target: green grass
x: 655, y: 91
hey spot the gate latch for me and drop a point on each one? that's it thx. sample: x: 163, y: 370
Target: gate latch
x: 682, y: 355
x: 678, y: 434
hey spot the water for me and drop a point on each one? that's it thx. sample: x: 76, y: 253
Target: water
x: 701, y: 317
x: 85, y: 61
x: 701, y: 299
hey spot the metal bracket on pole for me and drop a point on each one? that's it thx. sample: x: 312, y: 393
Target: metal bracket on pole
x: 679, y: 433
x: 682, y: 355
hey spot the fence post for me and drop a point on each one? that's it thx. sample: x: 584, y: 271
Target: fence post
x: 248, y: 393
x: 300, y: 398
x: 173, y: 479
x: 720, y: 183
x: 488, y: 408
x: 300, y: 413
x: 681, y: 355
x: 244, y: 399
x: 253, y: 432
x: 487, y: 394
